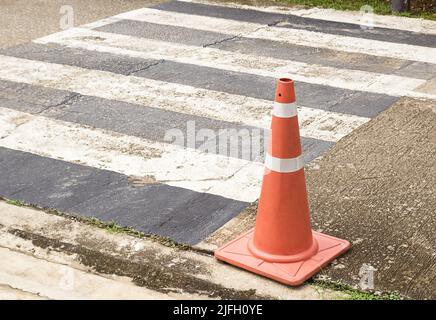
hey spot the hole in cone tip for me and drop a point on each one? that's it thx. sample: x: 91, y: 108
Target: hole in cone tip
x: 287, y: 80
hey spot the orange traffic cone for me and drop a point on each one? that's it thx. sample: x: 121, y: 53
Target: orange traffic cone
x: 282, y: 245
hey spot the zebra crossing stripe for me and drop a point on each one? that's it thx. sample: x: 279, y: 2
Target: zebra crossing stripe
x: 363, y: 18
x: 288, y: 35
x: 146, y: 161
x: 232, y: 61
x: 315, y: 123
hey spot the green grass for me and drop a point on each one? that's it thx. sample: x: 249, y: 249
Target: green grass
x: 380, y: 6
x: 355, y: 294
x: 15, y: 202
x: 109, y: 226
x: 113, y: 227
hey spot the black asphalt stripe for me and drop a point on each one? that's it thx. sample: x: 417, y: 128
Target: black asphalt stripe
x: 308, y: 95
x: 31, y: 99
x: 77, y: 57
x: 274, y: 49
x: 164, y: 32
x: 180, y: 214
x: 130, y: 119
x: 313, y: 148
x: 418, y: 70
x: 327, y: 57
x: 301, y: 23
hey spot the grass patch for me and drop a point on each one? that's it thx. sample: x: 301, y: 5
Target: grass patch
x: 418, y: 10
x: 425, y: 9
x: 354, y: 294
x: 380, y: 7
x: 109, y: 226
x: 15, y: 202
x: 113, y: 227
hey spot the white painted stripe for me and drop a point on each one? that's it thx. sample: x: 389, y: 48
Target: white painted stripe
x: 315, y: 123
x: 284, y: 110
x: 354, y: 17
x: 238, y: 62
x: 284, y: 165
x: 149, y: 161
x: 287, y: 35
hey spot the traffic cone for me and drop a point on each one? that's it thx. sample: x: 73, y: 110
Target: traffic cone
x: 282, y: 246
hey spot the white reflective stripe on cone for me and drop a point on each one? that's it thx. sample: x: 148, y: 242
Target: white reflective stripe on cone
x: 285, y: 110
x: 284, y: 165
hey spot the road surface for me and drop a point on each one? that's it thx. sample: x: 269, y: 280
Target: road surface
x: 112, y: 119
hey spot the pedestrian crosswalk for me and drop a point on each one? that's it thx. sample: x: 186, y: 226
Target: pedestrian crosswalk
x: 316, y: 123
x: 237, y: 62
x: 157, y: 118
x: 287, y: 35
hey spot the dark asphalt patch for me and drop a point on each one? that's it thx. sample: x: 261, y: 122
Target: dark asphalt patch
x: 180, y: 214
x: 308, y: 95
x: 32, y: 99
x: 164, y: 32
x: 301, y: 23
x: 418, y: 70
x: 81, y: 58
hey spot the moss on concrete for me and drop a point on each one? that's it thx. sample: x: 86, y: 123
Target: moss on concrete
x: 353, y: 293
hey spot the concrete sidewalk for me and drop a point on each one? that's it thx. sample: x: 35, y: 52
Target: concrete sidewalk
x: 52, y: 257
x: 376, y: 188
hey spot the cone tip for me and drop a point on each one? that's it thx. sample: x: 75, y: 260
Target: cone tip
x: 285, y: 91
x: 286, y: 80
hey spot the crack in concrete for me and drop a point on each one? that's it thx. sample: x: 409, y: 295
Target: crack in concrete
x: 20, y: 290
x: 63, y: 103
x: 272, y: 24
x: 222, y: 41
x: 147, y: 67
x: 342, y: 98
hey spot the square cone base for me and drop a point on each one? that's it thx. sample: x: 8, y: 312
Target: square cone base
x: 294, y: 273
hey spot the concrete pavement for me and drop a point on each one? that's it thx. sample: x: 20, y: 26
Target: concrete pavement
x: 53, y: 257
x: 23, y: 21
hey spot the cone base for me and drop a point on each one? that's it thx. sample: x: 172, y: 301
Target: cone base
x: 237, y: 253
